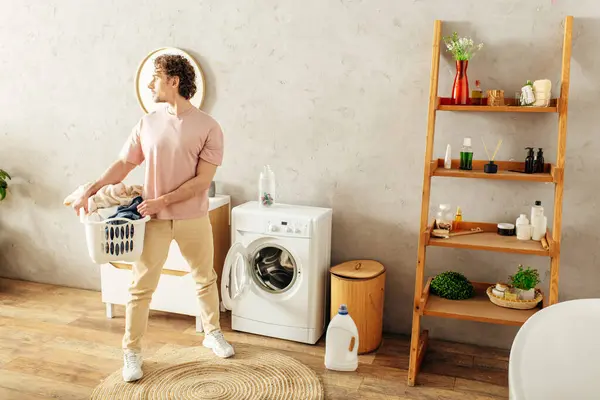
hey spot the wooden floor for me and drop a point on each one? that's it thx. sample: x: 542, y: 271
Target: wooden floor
x: 56, y: 342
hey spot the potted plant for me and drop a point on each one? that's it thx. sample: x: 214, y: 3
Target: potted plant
x: 452, y: 285
x: 462, y: 50
x: 525, y: 280
x: 3, y: 185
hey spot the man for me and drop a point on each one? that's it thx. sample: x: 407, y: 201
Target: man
x: 182, y: 147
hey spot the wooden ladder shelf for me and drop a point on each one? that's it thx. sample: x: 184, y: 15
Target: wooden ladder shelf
x: 479, y: 308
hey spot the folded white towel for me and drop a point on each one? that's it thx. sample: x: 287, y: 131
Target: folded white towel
x: 108, y: 196
x: 542, y: 85
x: 542, y: 90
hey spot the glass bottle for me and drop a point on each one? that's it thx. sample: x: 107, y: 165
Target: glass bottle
x: 466, y: 155
x: 476, y: 94
x: 458, y: 215
x: 444, y: 217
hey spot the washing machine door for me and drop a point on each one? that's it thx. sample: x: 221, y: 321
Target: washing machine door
x: 235, y: 278
x: 272, y: 267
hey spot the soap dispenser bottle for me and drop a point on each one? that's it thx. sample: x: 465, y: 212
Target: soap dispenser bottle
x: 539, y: 161
x: 529, y: 165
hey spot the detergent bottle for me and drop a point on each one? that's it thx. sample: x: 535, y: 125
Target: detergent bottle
x: 341, y: 342
x: 266, y: 187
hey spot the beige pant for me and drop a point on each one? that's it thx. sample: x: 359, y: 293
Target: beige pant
x: 195, y: 240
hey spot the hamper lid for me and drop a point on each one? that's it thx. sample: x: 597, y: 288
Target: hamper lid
x: 358, y: 269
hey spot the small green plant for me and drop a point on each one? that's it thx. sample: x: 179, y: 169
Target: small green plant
x: 3, y: 185
x: 525, y: 279
x: 452, y: 285
x: 462, y: 48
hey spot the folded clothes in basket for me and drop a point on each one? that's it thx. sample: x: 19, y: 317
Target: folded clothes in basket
x: 129, y: 211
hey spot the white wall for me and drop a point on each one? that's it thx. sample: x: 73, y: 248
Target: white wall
x: 333, y: 94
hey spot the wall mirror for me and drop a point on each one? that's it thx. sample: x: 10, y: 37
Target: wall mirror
x: 144, y: 73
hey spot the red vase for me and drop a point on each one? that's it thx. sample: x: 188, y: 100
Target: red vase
x: 460, y: 89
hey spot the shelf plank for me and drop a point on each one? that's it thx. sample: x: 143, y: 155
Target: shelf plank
x: 478, y: 308
x: 445, y: 104
x: 505, y: 171
x: 490, y: 240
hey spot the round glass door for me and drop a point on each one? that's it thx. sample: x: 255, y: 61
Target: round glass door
x: 273, y: 268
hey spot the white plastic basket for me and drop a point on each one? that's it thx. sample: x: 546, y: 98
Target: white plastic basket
x: 109, y: 242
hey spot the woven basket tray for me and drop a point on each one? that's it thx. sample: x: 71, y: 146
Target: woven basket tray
x: 516, y: 304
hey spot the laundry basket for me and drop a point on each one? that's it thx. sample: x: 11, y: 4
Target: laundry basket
x: 115, y: 239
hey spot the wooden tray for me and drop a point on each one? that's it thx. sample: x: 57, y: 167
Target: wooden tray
x: 516, y: 304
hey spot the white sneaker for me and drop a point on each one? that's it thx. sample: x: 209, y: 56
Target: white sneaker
x: 216, y: 341
x: 132, y: 366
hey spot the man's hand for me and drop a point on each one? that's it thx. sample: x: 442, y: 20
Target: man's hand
x: 151, y: 207
x: 113, y: 175
x: 81, y: 202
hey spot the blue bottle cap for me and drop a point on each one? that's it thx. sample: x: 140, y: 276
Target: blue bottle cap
x: 343, y: 310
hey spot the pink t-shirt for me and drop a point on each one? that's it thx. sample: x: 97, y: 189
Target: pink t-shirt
x: 172, y: 145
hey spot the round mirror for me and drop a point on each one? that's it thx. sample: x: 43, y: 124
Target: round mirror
x: 144, y: 76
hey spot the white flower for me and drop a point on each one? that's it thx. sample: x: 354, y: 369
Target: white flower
x: 461, y: 47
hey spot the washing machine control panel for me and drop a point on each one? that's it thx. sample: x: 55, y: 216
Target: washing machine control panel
x: 288, y: 227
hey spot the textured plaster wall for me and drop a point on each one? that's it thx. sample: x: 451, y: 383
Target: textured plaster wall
x: 333, y: 94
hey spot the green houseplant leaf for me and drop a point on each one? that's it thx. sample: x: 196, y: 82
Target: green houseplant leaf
x: 452, y: 285
x: 525, y: 279
x: 3, y: 184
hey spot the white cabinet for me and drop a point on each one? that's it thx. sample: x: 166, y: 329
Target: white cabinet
x: 176, y: 291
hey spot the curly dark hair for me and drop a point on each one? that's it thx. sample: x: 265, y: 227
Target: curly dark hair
x: 175, y: 65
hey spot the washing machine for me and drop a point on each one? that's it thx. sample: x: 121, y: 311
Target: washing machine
x: 276, y: 274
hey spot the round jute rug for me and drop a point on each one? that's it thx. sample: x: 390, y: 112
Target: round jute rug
x: 196, y: 373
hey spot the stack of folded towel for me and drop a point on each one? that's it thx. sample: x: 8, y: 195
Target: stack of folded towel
x: 542, y: 91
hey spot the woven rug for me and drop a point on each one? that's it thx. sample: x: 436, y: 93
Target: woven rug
x: 196, y: 373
